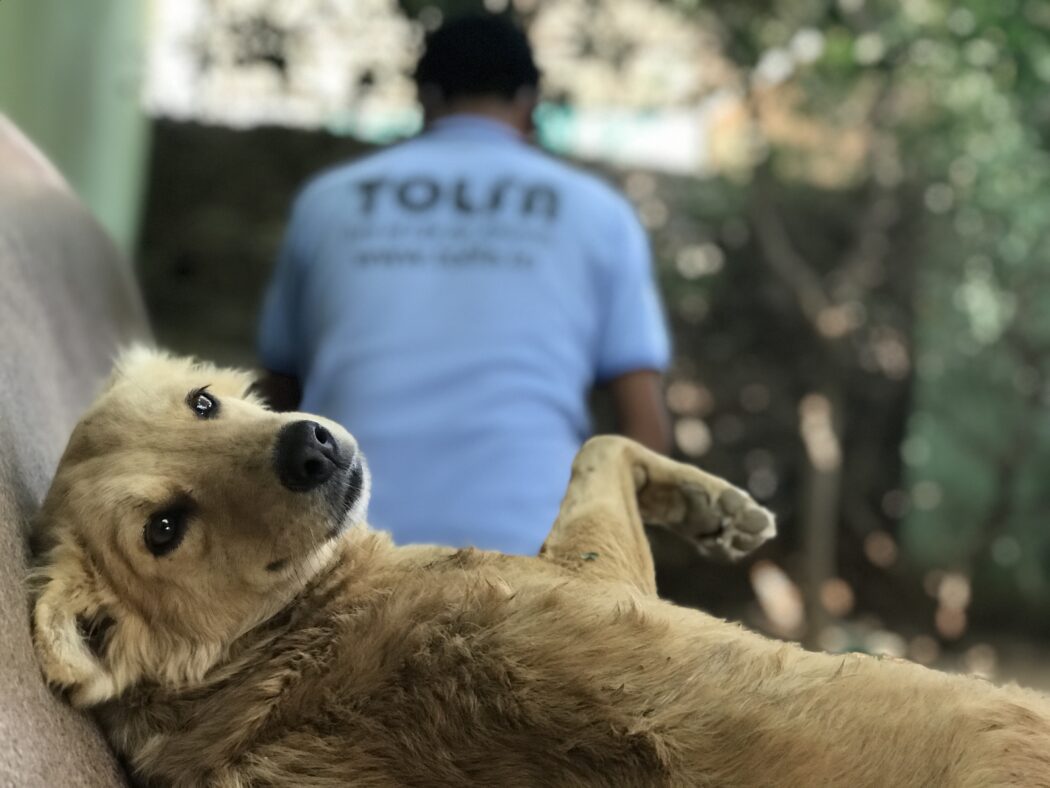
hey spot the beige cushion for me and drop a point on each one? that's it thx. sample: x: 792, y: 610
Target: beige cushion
x: 67, y: 300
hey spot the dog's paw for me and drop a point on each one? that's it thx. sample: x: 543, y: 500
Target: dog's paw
x: 724, y: 522
x: 727, y: 525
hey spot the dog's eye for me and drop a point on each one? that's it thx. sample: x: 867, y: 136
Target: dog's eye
x: 203, y: 404
x: 165, y: 530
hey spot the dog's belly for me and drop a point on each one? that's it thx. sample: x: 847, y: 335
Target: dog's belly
x: 585, y: 682
x: 472, y: 681
x: 486, y: 684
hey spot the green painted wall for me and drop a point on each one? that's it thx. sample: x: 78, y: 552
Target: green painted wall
x: 71, y: 76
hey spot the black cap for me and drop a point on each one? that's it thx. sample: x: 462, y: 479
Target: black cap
x: 477, y: 55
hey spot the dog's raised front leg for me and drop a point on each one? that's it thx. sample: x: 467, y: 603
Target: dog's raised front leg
x: 617, y: 485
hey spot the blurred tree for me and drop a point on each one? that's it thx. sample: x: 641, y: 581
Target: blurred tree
x: 435, y: 11
x: 948, y: 103
x: 856, y: 294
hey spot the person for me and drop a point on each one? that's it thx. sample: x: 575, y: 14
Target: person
x: 452, y: 299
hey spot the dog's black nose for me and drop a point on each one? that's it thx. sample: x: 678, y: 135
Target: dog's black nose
x: 306, y: 455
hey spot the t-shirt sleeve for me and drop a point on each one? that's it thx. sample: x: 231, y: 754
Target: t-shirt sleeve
x: 278, y: 331
x: 634, y: 332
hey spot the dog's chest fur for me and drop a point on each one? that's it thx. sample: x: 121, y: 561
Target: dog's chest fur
x: 435, y: 674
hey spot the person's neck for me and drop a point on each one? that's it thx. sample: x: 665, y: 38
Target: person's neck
x: 503, y: 112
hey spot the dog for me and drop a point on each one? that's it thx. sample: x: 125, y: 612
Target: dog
x: 207, y: 586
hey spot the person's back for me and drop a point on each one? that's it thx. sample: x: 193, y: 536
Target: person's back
x: 451, y: 301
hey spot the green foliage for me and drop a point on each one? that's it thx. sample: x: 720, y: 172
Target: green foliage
x: 879, y: 240
x: 955, y: 105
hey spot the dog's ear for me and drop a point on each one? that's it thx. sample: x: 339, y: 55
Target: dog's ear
x: 72, y: 630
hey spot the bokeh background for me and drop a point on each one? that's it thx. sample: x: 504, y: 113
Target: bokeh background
x: 849, y: 204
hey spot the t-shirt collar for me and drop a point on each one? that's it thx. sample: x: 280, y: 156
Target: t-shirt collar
x: 465, y: 125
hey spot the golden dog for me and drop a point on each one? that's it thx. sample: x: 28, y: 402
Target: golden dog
x: 207, y: 586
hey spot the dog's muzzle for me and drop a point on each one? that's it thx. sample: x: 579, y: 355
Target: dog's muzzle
x: 307, y: 455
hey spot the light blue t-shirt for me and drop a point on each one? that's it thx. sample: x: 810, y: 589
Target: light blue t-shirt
x: 450, y: 301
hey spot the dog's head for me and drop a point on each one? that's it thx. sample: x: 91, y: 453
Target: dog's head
x: 182, y: 514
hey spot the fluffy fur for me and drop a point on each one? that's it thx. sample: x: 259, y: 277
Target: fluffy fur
x: 280, y: 644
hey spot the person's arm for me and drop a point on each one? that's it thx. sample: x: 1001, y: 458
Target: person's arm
x: 640, y: 411
x: 634, y: 346
x: 282, y: 392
